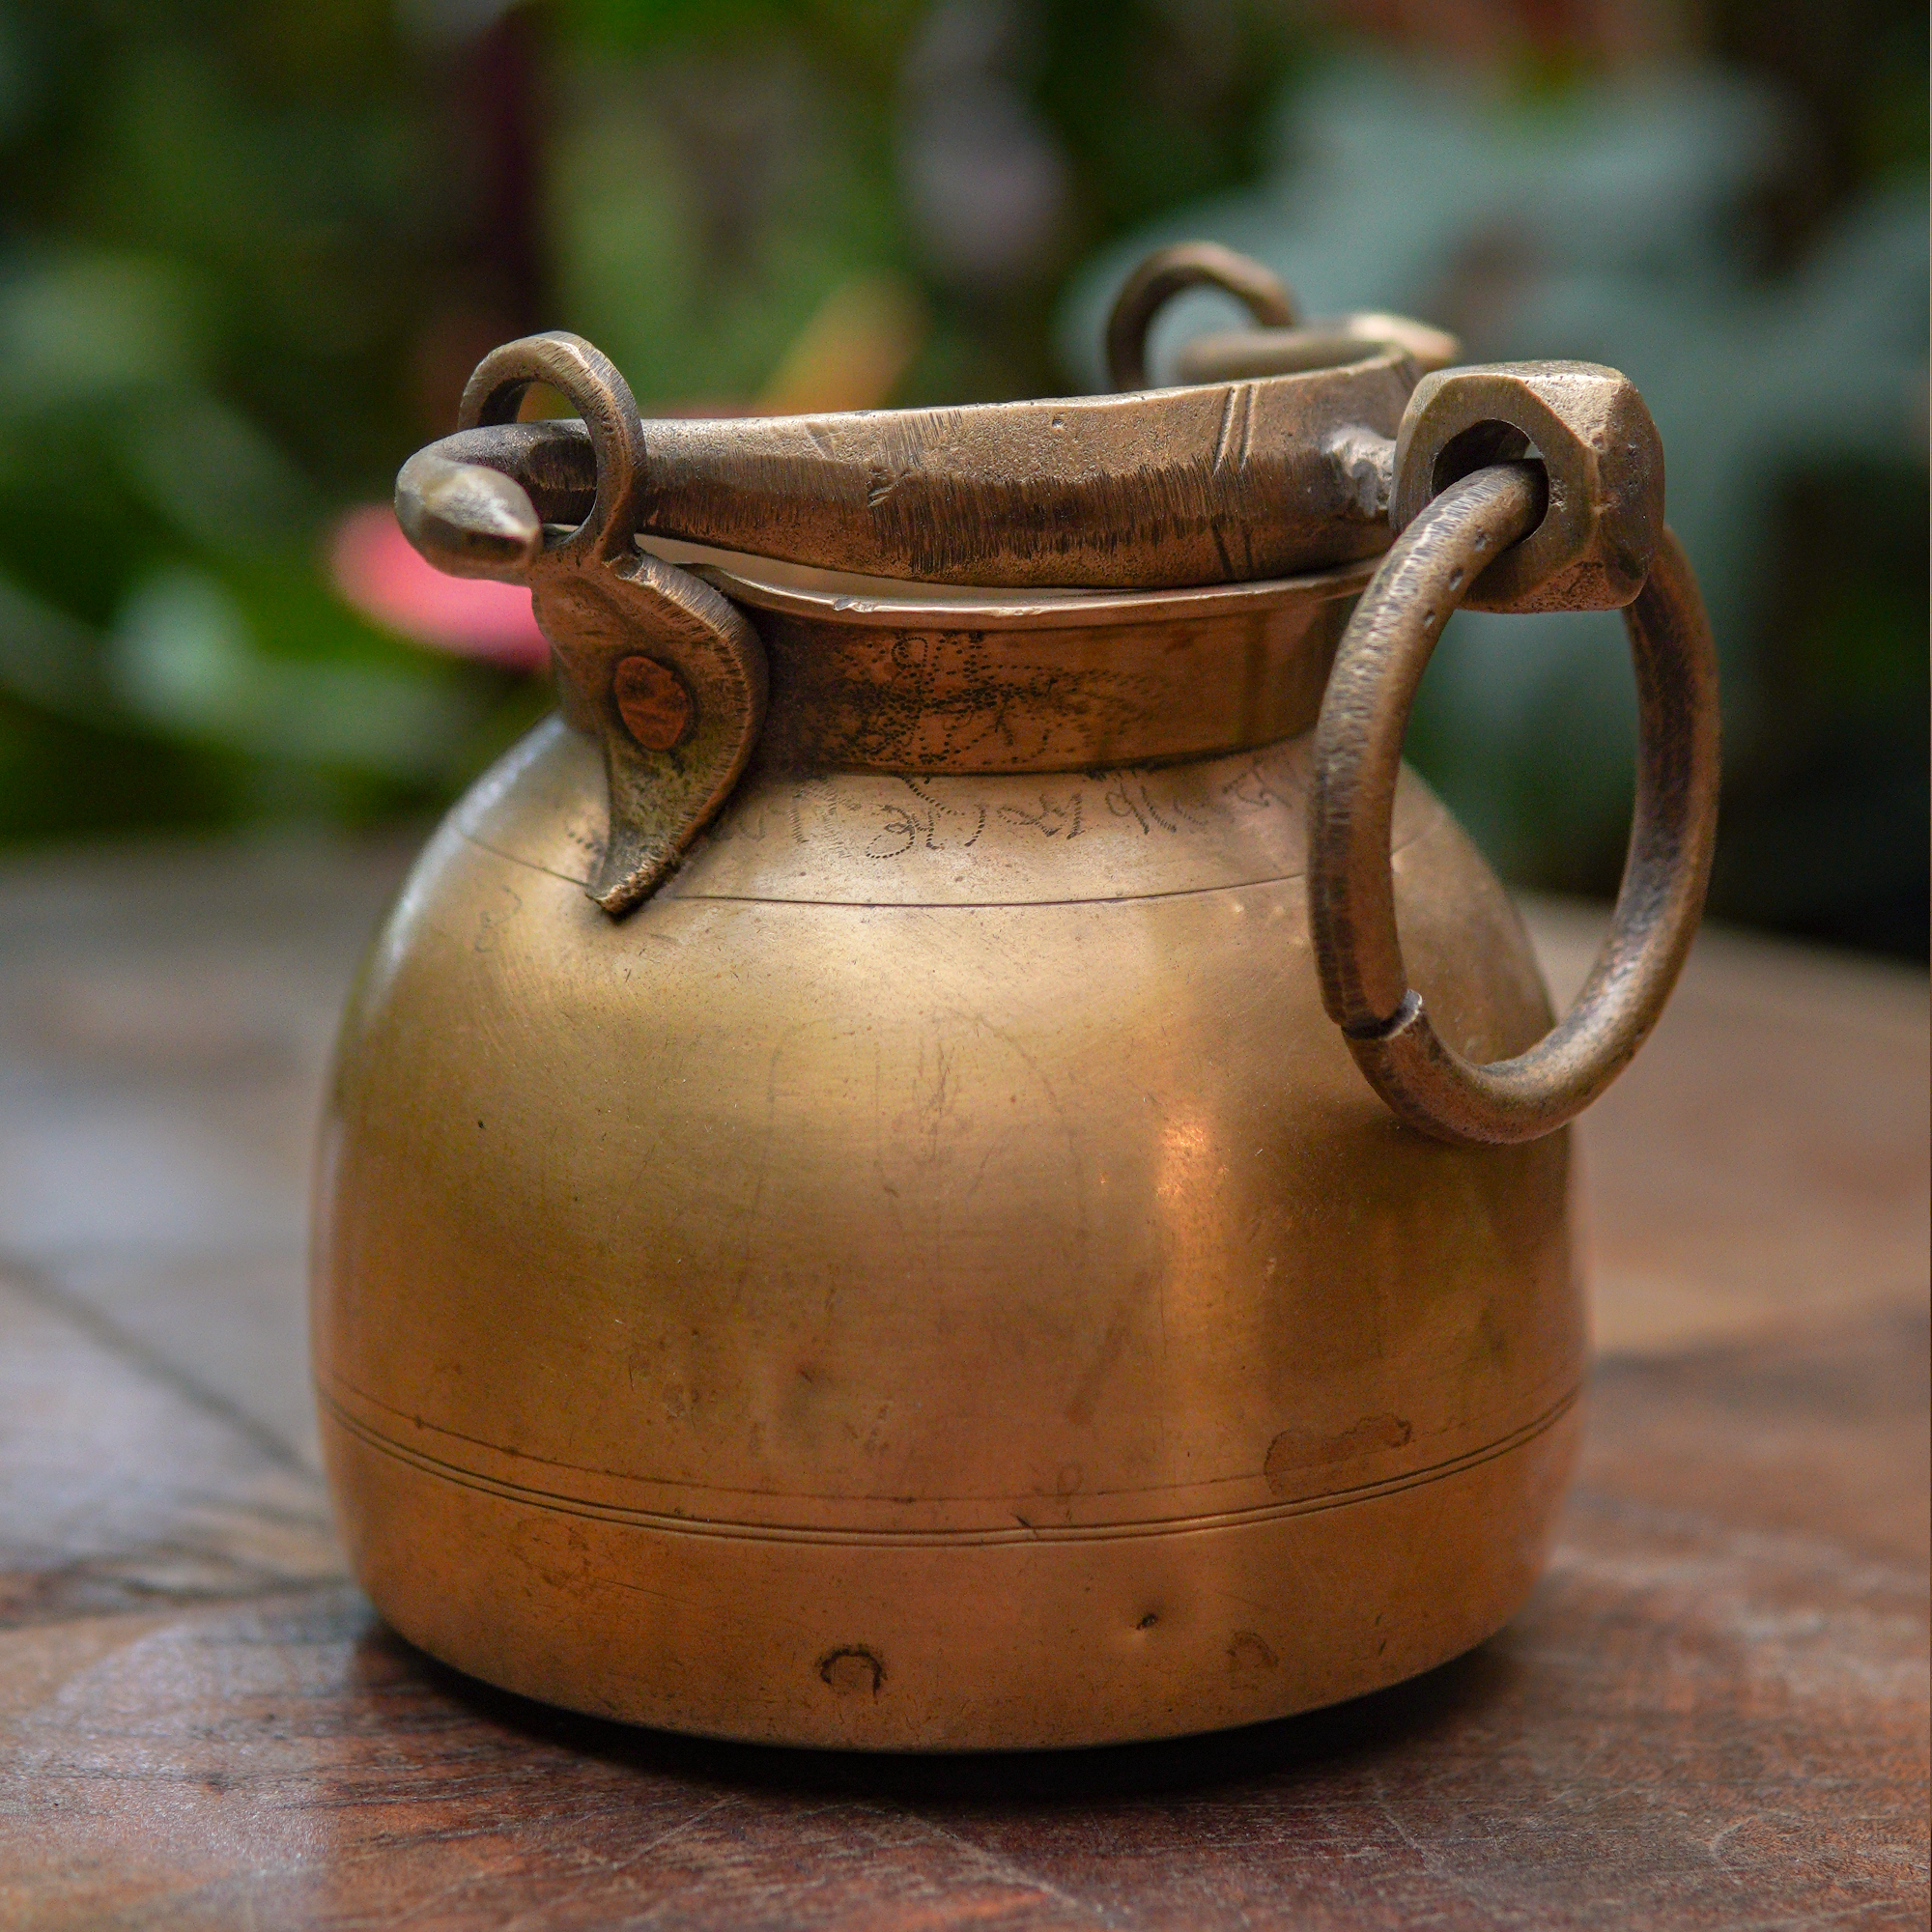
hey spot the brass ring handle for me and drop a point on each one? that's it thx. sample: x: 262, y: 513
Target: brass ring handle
x: 1162, y: 276
x: 1357, y: 755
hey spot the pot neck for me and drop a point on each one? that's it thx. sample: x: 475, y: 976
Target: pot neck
x: 871, y: 675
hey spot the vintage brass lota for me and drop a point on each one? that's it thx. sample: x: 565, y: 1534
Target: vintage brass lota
x: 850, y: 1212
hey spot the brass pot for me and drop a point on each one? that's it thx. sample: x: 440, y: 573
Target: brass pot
x: 928, y: 1273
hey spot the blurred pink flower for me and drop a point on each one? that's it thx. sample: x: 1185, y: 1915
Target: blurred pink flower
x: 373, y: 567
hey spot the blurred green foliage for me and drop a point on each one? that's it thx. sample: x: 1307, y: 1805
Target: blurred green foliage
x: 222, y: 228
x: 717, y: 170
x: 248, y: 253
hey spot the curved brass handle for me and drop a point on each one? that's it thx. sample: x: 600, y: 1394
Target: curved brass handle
x: 1282, y: 341
x: 1163, y: 275
x: 667, y: 672
x: 1358, y: 752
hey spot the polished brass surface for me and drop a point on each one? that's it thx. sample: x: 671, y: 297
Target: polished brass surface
x: 1358, y: 752
x: 929, y: 1275
x: 938, y: 1229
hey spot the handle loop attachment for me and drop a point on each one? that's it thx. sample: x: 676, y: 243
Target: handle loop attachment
x: 663, y: 670
x: 1163, y: 275
x: 1358, y: 756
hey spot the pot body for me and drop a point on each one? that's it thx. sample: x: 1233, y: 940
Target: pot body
x: 932, y: 1278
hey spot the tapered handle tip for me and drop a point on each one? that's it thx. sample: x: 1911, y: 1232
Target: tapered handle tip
x: 467, y: 520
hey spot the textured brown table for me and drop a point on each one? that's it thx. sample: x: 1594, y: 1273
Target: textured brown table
x: 1713, y: 1713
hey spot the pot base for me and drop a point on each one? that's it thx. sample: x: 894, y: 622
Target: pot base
x: 1027, y: 1639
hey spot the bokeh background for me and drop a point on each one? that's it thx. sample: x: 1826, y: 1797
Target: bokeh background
x: 248, y: 253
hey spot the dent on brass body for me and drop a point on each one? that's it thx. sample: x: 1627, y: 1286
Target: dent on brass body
x: 843, y: 1217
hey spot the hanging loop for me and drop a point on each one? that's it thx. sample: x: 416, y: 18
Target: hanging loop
x: 1163, y: 275
x: 1358, y: 756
